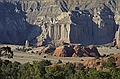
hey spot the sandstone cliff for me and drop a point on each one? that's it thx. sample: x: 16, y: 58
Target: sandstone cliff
x: 72, y: 21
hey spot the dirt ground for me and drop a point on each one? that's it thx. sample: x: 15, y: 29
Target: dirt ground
x: 30, y: 57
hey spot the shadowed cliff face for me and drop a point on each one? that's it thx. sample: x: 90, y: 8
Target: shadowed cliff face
x: 73, y: 21
x: 14, y: 29
x: 96, y: 28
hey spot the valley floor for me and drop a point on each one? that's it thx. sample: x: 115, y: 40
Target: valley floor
x: 29, y: 57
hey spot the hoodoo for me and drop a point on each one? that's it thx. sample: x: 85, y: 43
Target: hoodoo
x: 71, y: 21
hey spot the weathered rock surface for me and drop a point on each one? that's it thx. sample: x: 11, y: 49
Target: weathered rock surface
x: 72, y: 21
x: 76, y: 51
x: 98, y: 62
x: 117, y: 37
x: 47, y: 50
x: 63, y: 51
x: 85, y: 52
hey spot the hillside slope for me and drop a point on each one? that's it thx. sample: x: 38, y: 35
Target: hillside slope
x: 72, y: 21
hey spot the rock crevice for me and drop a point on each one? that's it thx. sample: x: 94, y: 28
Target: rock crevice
x: 72, y: 21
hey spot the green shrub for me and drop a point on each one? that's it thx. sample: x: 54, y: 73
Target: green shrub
x: 59, y: 61
x: 110, y: 63
x: 96, y: 57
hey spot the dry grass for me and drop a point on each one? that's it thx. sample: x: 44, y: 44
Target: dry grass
x: 29, y: 57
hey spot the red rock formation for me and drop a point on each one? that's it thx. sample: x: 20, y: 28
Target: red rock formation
x: 76, y: 51
x: 47, y: 50
x: 98, y: 62
x: 81, y: 51
x: 41, y: 43
x: 63, y: 43
x: 63, y: 51
x: 93, y: 51
x: 117, y: 58
x: 60, y: 52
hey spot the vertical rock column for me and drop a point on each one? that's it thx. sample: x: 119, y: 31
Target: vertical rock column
x: 117, y: 37
x: 51, y: 32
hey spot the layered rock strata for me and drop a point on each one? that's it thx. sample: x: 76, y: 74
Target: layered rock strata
x: 72, y: 21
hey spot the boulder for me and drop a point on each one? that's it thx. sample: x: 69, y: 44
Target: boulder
x: 76, y: 51
x: 64, y: 43
x: 41, y: 43
x: 91, y: 51
x: 47, y: 50
x: 60, y: 52
x: 63, y: 51
x: 113, y: 44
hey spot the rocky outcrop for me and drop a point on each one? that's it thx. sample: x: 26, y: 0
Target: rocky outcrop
x: 63, y: 51
x: 72, y: 21
x: 117, y: 38
x: 26, y: 43
x: 47, y: 50
x: 98, y: 62
x: 42, y: 50
x: 63, y: 43
x: 85, y: 52
x: 76, y: 51
x: 42, y: 43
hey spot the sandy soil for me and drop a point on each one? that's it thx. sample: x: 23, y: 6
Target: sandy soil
x: 29, y: 57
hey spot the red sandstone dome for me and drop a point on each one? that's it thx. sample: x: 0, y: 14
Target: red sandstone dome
x: 64, y: 51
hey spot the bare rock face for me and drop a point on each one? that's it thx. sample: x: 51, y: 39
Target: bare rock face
x: 118, y: 38
x: 63, y: 43
x: 60, y: 52
x: 26, y: 43
x: 81, y: 51
x: 63, y: 51
x: 41, y: 43
x: 98, y: 62
x: 72, y: 21
x: 47, y: 50
x: 76, y: 51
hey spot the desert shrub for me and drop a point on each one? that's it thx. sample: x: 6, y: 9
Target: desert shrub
x: 81, y: 60
x: 80, y: 66
x: 104, y: 55
x: 98, y: 74
x: 59, y: 61
x: 44, y: 56
x: 96, y: 57
x: 43, y: 70
x: 45, y: 62
x: 80, y: 75
x: 7, y: 52
x: 116, y: 47
x: 110, y: 63
x: 23, y: 49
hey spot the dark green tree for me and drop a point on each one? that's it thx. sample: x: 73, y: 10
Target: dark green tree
x: 98, y: 74
x: 69, y: 69
x: 59, y: 61
x: 110, y: 63
x: 55, y: 72
x: 80, y: 75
